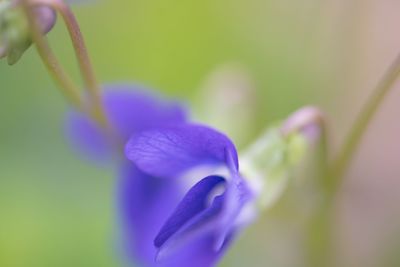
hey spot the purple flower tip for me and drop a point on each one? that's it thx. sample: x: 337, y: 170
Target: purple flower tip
x: 46, y: 17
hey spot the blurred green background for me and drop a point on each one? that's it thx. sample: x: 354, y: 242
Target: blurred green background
x: 57, y: 210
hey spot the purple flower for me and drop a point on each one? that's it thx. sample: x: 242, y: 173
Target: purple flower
x: 201, y: 226
x: 181, y: 197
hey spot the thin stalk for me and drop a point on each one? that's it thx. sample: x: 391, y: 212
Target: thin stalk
x: 343, y: 160
x: 321, y: 223
x: 55, y: 69
x: 84, y: 62
x: 89, y: 78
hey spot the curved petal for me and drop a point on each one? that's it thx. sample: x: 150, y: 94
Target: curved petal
x: 87, y: 138
x: 195, y: 223
x: 198, y: 229
x: 130, y: 110
x: 194, y: 202
x: 194, y: 230
x: 169, y: 151
x: 197, y: 252
x: 237, y: 195
x: 145, y: 203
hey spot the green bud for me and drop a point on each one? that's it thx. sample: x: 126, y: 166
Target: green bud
x: 14, y: 32
x: 15, y: 36
x: 269, y: 161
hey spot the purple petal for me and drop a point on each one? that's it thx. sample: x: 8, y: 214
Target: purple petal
x: 200, y: 229
x: 129, y: 110
x: 237, y: 195
x: 193, y: 203
x: 220, y: 219
x: 196, y: 252
x: 197, y: 230
x: 86, y: 137
x: 145, y: 203
x: 169, y: 151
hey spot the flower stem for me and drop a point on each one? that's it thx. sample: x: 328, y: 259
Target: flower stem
x: 343, y: 160
x: 65, y: 83
x: 91, y: 84
x: 84, y: 62
x: 335, y: 174
x: 321, y: 224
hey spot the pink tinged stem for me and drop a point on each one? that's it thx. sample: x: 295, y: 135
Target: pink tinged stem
x: 60, y: 76
x: 361, y: 124
x: 83, y: 60
x: 92, y: 86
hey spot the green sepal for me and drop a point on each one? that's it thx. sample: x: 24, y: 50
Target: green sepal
x: 269, y: 161
x: 14, y: 32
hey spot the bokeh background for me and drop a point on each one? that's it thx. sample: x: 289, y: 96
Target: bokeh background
x: 58, y: 210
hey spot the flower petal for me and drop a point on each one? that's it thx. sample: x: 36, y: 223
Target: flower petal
x: 170, y: 151
x: 130, y: 110
x: 196, y: 248
x: 145, y: 203
x: 220, y: 219
x: 192, y: 204
x: 201, y: 229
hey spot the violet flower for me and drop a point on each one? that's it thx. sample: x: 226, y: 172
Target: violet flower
x: 181, y: 197
x: 202, y: 225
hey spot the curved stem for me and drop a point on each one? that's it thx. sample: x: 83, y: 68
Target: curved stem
x: 59, y: 75
x: 84, y: 62
x: 82, y: 56
x: 340, y: 165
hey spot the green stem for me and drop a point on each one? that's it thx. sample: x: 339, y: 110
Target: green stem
x: 91, y: 84
x: 84, y: 62
x: 343, y: 160
x: 321, y: 224
x: 55, y: 69
x: 320, y: 231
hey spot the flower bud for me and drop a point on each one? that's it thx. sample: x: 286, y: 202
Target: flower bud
x: 15, y: 36
x: 46, y: 18
x: 307, y: 121
x: 269, y: 161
